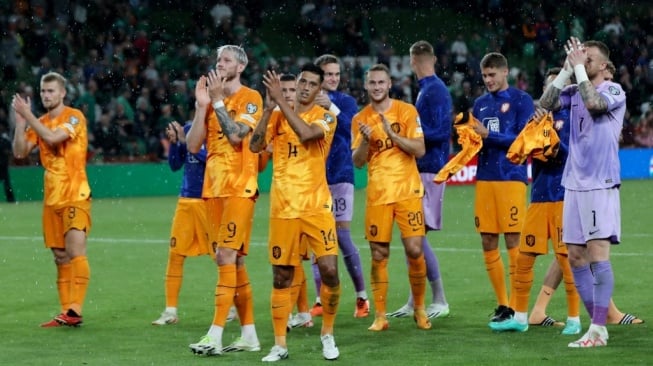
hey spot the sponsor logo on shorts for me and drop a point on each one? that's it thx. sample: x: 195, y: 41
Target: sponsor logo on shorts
x: 374, y: 230
x: 276, y: 252
x: 530, y: 240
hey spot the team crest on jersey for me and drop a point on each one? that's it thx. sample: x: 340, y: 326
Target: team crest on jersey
x: 251, y: 108
x: 614, y: 90
x: 505, y: 107
x: 396, y: 128
x: 493, y: 124
x: 328, y: 118
x: 74, y: 120
x: 557, y: 124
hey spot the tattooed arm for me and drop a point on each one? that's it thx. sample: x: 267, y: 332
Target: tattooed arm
x: 594, y: 102
x: 550, y: 99
x: 257, y: 143
x: 234, y: 131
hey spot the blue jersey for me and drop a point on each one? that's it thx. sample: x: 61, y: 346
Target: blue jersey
x: 435, y: 109
x: 339, y: 165
x: 194, y: 166
x: 547, y: 176
x: 504, y: 114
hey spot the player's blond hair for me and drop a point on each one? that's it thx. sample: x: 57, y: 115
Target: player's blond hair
x: 54, y: 76
x: 239, y: 52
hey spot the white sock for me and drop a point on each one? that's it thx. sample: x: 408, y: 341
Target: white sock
x: 215, y: 332
x: 248, y: 332
x: 521, y: 318
x: 573, y: 318
x: 171, y: 310
x: 361, y: 294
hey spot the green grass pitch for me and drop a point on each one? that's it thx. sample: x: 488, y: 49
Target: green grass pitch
x: 128, y: 251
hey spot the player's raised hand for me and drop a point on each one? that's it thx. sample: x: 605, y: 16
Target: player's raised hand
x: 23, y: 108
x: 216, y: 86
x: 201, y: 93
x: 272, y: 82
x: 322, y: 99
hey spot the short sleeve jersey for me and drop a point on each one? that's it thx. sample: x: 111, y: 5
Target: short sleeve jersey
x: 65, y: 179
x: 299, y: 186
x: 232, y: 171
x: 392, y: 173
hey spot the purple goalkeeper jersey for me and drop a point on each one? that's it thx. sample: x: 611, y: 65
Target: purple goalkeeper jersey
x: 593, y: 160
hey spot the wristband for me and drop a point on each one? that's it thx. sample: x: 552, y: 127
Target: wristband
x: 218, y: 104
x: 581, y: 74
x: 561, y: 79
x: 333, y: 108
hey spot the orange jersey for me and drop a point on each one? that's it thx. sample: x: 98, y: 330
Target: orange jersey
x: 299, y: 186
x: 392, y: 174
x: 65, y: 178
x: 232, y: 171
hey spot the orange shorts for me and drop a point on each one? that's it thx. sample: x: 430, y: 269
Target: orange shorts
x: 499, y: 207
x: 543, y: 222
x: 229, y: 222
x: 290, y: 238
x: 408, y: 214
x: 188, y: 235
x: 58, y: 220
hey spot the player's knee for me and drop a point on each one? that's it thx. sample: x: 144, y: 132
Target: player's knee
x: 60, y: 256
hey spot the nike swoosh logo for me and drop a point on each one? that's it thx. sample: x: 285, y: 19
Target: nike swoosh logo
x: 483, y: 108
x: 329, y: 248
x: 511, y: 225
x: 593, y: 232
x: 339, y: 214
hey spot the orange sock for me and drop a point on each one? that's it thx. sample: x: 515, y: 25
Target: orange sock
x: 224, y: 293
x: 497, y: 274
x: 573, y: 299
x: 280, y: 304
x: 243, y: 297
x: 513, y: 253
x: 64, y: 278
x: 174, y: 277
x: 523, y: 281
x: 417, y: 279
x: 379, y: 284
x: 330, y: 297
x: 81, y: 274
x: 302, y: 296
x: 295, y: 286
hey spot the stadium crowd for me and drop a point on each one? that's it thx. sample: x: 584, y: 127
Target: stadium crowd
x: 131, y: 79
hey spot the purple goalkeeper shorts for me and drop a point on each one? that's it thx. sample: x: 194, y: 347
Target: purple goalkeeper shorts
x: 343, y: 201
x: 591, y: 215
x: 432, y: 201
